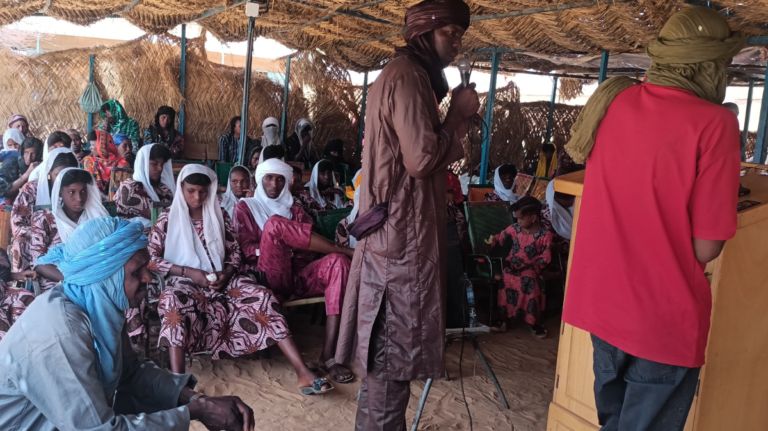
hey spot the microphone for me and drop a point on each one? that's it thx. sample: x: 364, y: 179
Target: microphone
x: 464, y: 69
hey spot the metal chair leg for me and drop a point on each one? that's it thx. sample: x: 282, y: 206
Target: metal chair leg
x: 422, y: 401
x: 490, y: 373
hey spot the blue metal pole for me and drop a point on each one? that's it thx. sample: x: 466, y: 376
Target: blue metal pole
x: 362, y: 116
x: 286, y: 85
x: 487, y: 132
x: 183, y: 75
x: 759, y: 156
x: 551, y: 115
x: 246, y: 92
x: 745, y: 134
x: 92, y: 62
x: 603, y: 67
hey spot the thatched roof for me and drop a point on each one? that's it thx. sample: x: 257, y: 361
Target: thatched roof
x: 362, y: 35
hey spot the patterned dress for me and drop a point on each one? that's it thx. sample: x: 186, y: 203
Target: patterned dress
x: 45, y: 234
x: 152, y: 136
x: 342, y: 233
x: 21, y: 222
x: 102, y: 170
x: 240, y: 319
x: 523, y: 294
x: 492, y: 197
x: 132, y: 199
x: 13, y: 301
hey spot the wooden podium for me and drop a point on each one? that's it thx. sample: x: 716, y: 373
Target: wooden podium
x: 733, y: 385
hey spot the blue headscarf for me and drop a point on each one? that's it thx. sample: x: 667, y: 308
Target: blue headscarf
x: 92, y: 263
x: 118, y: 138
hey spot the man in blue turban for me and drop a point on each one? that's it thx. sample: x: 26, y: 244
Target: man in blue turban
x: 67, y: 363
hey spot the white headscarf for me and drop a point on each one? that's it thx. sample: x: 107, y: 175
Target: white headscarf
x: 562, y: 218
x: 314, y: 190
x: 504, y: 194
x: 260, y: 204
x: 271, y: 134
x: 14, y: 134
x: 41, y: 175
x: 141, y: 172
x: 355, y: 209
x: 301, y: 124
x: 93, y: 206
x: 183, y: 246
x: 229, y: 200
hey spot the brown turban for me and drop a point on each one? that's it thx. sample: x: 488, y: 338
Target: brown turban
x: 420, y: 21
x: 692, y: 52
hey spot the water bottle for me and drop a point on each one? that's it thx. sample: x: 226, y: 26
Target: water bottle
x: 471, y: 303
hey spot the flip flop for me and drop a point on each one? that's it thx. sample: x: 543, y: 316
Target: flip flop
x: 338, y: 377
x: 317, y: 387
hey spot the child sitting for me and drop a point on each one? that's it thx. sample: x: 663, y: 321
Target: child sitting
x: 523, y: 292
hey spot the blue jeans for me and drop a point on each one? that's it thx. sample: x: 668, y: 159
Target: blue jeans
x: 635, y: 394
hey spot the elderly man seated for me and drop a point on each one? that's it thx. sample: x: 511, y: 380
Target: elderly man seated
x: 67, y: 363
x: 276, y: 238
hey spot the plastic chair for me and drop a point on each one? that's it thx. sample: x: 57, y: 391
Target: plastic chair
x: 478, y: 191
x: 222, y: 172
x: 330, y: 220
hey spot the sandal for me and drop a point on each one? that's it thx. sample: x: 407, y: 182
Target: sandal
x: 539, y: 332
x: 338, y: 377
x: 317, y: 387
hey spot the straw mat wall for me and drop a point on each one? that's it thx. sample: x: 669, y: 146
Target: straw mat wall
x: 359, y: 44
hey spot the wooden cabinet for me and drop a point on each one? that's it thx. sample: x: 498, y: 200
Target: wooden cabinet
x: 733, y: 385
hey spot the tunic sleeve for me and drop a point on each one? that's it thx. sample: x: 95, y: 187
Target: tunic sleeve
x: 545, y: 243
x: 177, y: 146
x: 60, y: 380
x: 426, y: 149
x: 9, y: 173
x: 21, y: 213
x: 157, y: 246
x: 132, y: 202
x: 222, y: 148
x: 232, y: 248
x: 42, y: 234
x: 248, y: 232
x: 504, y: 239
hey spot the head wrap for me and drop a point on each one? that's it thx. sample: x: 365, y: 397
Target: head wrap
x: 561, y: 218
x: 184, y: 246
x: 17, y: 117
x: 120, y: 121
x: 92, y: 263
x: 93, y: 206
x: 691, y: 52
x: 117, y: 139
x: 262, y: 206
x: 228, y: 199
x: 171, y: 128
x: 301, y: 125
x: 314, y: 188
x: 505, y: 194
x: 356, y: 208
x: 14, y: 134
x: 336, y: 145
x: 420, y: 21
x: 141, y: 173
x: 271, y: 134
x: 40, y: 174
x: 110, y: 151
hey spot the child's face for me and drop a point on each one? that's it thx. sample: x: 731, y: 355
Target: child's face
x: 525, y: 221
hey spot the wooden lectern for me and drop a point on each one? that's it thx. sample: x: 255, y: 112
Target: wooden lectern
x: 733, y: 385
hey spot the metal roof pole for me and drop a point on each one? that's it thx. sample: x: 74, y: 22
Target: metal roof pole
x: 487, y: 132
x: 286, y: 86
x: 745, y: 134
x: 551, y: 116
x: 246, y: 92
x: 603, y: 67
x: 92, y: 63
x: 362, y: 117
x: 183, y: 76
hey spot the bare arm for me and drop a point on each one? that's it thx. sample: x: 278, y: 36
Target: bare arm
x: 50, y: 272
x: 706, y: 250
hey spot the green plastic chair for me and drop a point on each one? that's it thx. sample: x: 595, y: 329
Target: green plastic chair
x: 222, y: 172
x: 157, y: 209
x: 330, y: 220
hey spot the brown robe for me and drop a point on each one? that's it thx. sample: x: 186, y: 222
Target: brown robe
x: 405, y: 162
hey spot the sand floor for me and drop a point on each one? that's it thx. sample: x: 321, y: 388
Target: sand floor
x: 525, y: 367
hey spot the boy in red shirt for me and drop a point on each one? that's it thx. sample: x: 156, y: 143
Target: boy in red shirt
x: 645, y: 234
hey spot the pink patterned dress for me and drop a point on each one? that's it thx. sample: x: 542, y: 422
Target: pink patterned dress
x: 291, y: 271
x: 241, y: 319
x: 45, y: 234
x: 523, y: 295
x: 132, y: 200
x: 21, y: 222
x: 13, y: 301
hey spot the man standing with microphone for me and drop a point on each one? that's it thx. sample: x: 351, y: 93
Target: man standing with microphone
x: 393, y: 320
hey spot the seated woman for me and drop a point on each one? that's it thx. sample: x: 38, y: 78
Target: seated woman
x: 343, y: 237
x: 529, y: 242
x: 322, y: 193
x: 277, y: 239
x: 16, y: 171
x: 152, y: 182
x: 75, y: 199
x: 298, y: 146
x: 206, y: 305
x: 12, y: 139
x: 20, y: 123
x: 31, y: 195
x: 503, y: 185
x: 78, y: 146
x: 13, y: 301
x: 103, y: 158
x: 68, y: 364
x: 164, y: 132
x: 229, y: 144
x: 238, y: 187
x: 547, y: 162
x: 252, y: 159
x: 117, y: 122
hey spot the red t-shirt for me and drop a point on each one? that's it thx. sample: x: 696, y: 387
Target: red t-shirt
x: 665, y: 168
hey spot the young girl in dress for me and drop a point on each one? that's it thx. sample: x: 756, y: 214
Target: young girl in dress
x: 523, y: 294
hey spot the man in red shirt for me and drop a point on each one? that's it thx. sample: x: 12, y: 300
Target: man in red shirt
x: 645, y: 234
